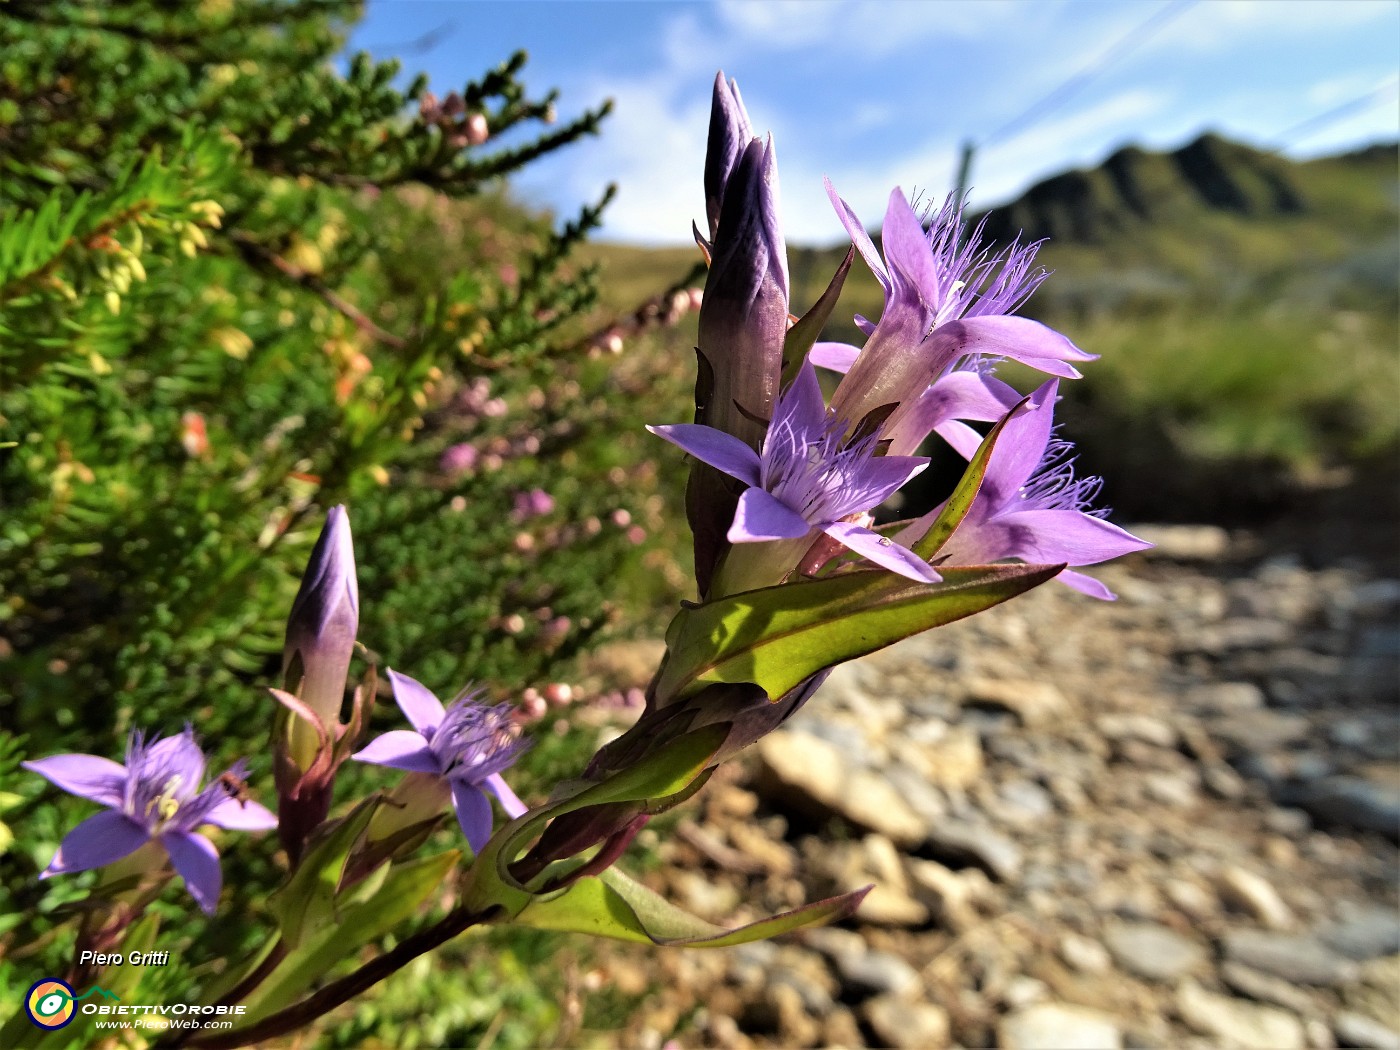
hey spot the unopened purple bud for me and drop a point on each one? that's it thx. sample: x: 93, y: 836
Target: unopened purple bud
x: 321, y: 630
x: 730, y: 134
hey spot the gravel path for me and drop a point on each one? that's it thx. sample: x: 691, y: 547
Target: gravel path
x: 1171, y: 820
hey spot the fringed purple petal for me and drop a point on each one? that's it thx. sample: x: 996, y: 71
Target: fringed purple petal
x: 882, y: 551
x: 859, y: 237
x: 801, y: 407
x: 173, y: 757
x: 423, y: 710
x: 721, y: 451
x: 100, y: 840
x: 909, y: 256
x: 1020, y: 339
x: 1021, y: 446
x: 473, y: 813
x: 759, y: 516
x: 98, y: 779
x: 233, y: 815
x: 964, y: 440
x: 1050, y: 536
x: 1086, y: 585
x: 509, y: 800
x: 400, y: 749
x: 836, y: 356
x: 197, y: 862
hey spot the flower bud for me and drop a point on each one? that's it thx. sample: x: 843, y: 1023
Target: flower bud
x: 321, y: 635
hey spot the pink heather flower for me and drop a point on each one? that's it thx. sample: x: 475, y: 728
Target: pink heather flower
x: 533, y: 504
x: 467, y: 743
x: 806, y: 478
x: 458, y: 459
x: 155, y: 797
x: 1032, y: 508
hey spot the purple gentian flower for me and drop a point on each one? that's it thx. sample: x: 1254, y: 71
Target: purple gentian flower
x: 966, y: 391
x: 807, y: 478
x: 945, y: 299
x: 156, y: 797
x: 1031, y: 507
x: 467, y: 743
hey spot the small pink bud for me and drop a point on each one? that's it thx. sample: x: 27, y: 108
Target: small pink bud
x: 559, y: 693
x: 477, y: 130
x: 621, y: 518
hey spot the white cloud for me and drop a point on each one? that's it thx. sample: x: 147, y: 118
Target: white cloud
x: 1219, y: 25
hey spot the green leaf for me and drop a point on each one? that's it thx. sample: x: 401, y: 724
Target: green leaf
x: 306, y: 904
x: 776, y: 637
x: 651, y: 783
x: 614, y: 905
x: 396, y: 898
x: 800, y: 337
x: 958, y: 504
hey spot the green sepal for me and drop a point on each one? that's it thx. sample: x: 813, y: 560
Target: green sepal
x: 801, y: 336
x: 958, y: 504
x: 305, y: 904
x: 614, y: 905
x: 654, y: 783
x: 375, y: 907
x: 777, y: 637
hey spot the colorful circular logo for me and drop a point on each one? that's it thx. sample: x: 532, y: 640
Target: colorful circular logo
x: 49, y: 1003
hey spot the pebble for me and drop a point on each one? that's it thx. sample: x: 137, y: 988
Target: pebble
x: 1352, y: 802
x: 1254, y: 895
x: 811, y: 775
x: 1249, y: 1026
x: 1033, y: 703
x: 1363, y: 931
x: 1153, y: 952
x: 1294, y: 957
x: 873, y: 973
x: 1266, y: 988
x: 1058, y: 1026
x: 1085, y: 954
x: 958, y: 843
x: 907, y: 1025
x: 1353, y: 1029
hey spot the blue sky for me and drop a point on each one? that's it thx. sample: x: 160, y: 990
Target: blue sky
x: 878, y: 93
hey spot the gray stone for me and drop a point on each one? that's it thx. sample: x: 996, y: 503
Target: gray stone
x: 907, y: 1025
x: 1294, y: 957
x: 1131, y: 726
x: 1266, y: 988
x: 1032, y: 703
x: 1058, y: 1026
x: 1262, y: 730
x: 812, y: 776
x: 1364, y: 931
x: 1250, y: 1026
x: 1153, y: 952
x: 875, y: 973
x: 960, y: 843
x: 1350, y: 802
x: 1225, y: 697
x: 1353, y: 1029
